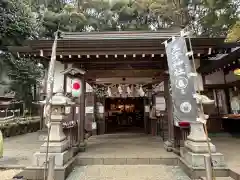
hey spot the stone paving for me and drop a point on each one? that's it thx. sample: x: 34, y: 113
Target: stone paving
x: 230, y: 148
x: 18, y: 150
x: 126, y: 145
x: 8, y: 174
x: 127, y: 172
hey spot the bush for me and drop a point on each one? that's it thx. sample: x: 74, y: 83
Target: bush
x: 21, y: 126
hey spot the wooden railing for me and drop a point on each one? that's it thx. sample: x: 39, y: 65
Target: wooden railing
x: 70, y: 126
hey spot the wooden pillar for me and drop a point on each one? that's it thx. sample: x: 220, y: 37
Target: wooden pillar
x: 89, y: 117
x: 65, y: 79
x: 100, y: 115
x: 168, y: 144
x: 82, y: 144
x: 147, y: 125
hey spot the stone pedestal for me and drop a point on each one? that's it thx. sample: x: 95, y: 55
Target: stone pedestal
x: 196, y: 146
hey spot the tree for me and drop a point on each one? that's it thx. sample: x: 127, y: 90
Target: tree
x: 213, y: 18
x: 25, y: 73
x: 64, y: 19
x: 17, y: 23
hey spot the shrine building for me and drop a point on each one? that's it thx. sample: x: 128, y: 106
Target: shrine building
x: 127, y: 80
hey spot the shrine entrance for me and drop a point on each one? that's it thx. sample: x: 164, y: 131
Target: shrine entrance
x: 124, y: 115
x: 127, y: 59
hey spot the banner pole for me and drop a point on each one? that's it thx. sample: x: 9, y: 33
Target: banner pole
x: 208, y: 166
x: 202, y: 112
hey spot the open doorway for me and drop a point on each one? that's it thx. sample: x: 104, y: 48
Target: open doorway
x: 124, y: 115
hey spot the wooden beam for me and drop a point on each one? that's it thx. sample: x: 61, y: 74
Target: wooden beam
x: 149, y: 45
x: 94, y: 74
x: 117, y: 62
x: 123, y: 66
x: 112, y: 60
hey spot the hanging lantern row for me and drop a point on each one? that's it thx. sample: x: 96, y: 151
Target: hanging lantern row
x: 120, y: 90
x: 125, y: 90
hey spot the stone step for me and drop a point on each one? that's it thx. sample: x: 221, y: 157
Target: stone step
x: 218, y: 178
x: 128, y: 172
x: 125, y: 161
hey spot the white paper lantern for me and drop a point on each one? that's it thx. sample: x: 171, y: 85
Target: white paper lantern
x: 109, y: 92
x: 120, y: 89
x: 129, y: 91
x: 141, y: 92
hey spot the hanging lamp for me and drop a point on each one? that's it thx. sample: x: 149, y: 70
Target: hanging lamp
x: 236, y: 72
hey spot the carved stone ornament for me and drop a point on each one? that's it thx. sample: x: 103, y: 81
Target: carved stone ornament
x: 203, y: 99
x: 73, y: 71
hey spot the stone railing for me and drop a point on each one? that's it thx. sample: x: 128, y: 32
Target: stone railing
x: 70, y: 126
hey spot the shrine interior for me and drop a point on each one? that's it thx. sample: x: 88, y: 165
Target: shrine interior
x: 124, y: 115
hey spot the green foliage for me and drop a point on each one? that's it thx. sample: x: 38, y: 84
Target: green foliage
x: 17, y: 23
x: 217, y: 17
x: 67, y: 20
x: 24, y: 19
x: 214, y: 17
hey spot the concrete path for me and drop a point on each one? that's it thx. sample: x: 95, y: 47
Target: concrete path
x: 8, y: 174
x: 230, y: 148
x: 127, y: 172
x: 18, y: 150
x: 126, y: 145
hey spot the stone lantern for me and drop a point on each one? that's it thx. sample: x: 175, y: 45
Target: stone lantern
x: 58, y: 142
x: 198, y: 144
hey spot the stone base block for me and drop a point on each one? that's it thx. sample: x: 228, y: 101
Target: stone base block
x: 196, y: 160
x: 199, y: 147
x: 36, y: 173
x: 61, y: 159
x: 199, y: 173
x: 55, y: 147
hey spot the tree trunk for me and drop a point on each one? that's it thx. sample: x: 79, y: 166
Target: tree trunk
x: 79, y: 5
x: 184, y: 14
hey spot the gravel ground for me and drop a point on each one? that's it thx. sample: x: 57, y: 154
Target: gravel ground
x: 8, y: 174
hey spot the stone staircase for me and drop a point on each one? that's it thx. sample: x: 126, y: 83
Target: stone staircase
x: 128, y: 172
x: 83, y: 161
